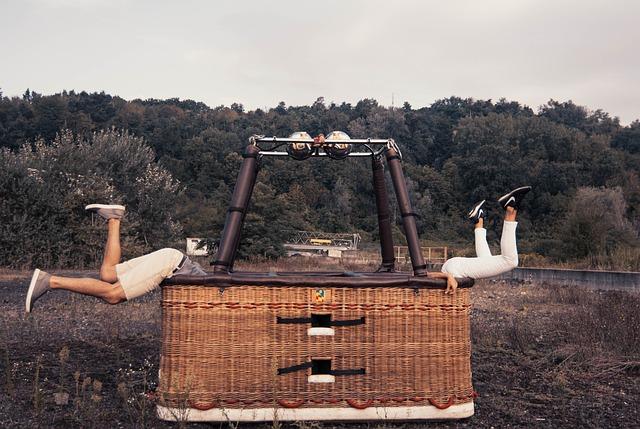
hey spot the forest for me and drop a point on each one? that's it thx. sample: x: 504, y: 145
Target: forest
x: 174, y: 164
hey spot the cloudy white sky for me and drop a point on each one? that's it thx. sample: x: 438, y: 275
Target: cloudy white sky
x: 261, y: 52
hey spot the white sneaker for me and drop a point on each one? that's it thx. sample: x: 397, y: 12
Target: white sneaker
x: 39, y: 286
x: 107, y: 211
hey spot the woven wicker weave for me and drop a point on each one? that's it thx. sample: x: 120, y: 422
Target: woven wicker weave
x: 225, y: 347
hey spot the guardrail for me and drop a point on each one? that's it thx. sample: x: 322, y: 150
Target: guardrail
x: 613, y: 280
x: 431, y: 255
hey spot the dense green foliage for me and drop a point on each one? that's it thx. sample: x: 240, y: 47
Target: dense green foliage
x: 456, y: 151
x: 46, y: 186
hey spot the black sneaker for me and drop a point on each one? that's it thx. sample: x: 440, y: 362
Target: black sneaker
x: 476, y: 212
x: 513, y: 198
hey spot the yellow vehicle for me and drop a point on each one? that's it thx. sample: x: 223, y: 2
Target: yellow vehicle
x: 319, y: 242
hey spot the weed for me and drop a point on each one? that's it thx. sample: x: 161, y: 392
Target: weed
x: 601, y: 322
x: 275, y: 423
x: 62, y: 397
x: 76, y: 378
x: 520, y: 335
x: 231, y: 424
x: 37, y: 390
x: 180, y: 405
x: 307, y: 425
x: 133, y: 388
x: 96, y: 391
x: 87, y: 400
x: 9, y: 374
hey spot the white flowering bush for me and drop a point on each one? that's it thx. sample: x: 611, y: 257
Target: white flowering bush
x: 45, y: 187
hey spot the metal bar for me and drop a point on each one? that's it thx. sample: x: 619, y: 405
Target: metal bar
x: 311, y: 141
x: 235, y: 214
x: 319, y: 155
x: 408, y: 216
x: 384, y: 216
x: 236, y: 241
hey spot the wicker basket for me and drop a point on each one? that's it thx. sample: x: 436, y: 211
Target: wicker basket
x: 316, y: 346
x: 332, y: 348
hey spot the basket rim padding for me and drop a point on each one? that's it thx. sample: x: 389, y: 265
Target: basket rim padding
x: 345, y: 279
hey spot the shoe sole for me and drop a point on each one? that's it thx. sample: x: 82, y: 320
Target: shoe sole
x: 474, y: 211
x: 32, y: 285
x: 502, y: 198
x: 104, y: 206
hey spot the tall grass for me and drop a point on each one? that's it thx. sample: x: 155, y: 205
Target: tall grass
x: 622, y: 258
x: 603, y: 324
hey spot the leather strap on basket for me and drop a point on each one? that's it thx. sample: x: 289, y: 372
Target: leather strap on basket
x: 203, y: 406
x: 290, y: 404
x: 295, y: 403
x: 339, y: 372
x: 293, y: 320
x: 335, y: 372
x: 236, y: 209
x: 359, y: 405
x: 303, y: 320
x: 442, y: 406
x: 294, y: 368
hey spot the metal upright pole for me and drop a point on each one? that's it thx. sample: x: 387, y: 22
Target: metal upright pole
x: 237, y: 208
x: 236, y: 241
x: 408, y: 216
x: 384, y: 216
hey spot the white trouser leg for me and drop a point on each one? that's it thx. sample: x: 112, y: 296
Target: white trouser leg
x: 508, y: 247
x: 488, y: 266
x: 482, y: 247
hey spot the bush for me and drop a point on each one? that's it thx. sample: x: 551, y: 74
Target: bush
x: 596, y: 224
x: 45, y: 188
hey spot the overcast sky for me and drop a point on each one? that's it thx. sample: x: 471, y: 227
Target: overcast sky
x: 261, y: 52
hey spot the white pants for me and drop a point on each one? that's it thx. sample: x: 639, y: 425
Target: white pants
x: 486, y: 265
x: 143, y: 274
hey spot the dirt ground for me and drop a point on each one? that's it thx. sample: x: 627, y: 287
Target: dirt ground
x: 543, y: 356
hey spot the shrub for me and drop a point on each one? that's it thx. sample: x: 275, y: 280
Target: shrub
x: 596, y: 223
x: 45, y: 188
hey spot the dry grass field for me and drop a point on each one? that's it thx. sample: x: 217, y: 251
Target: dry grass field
x: 543, y: 356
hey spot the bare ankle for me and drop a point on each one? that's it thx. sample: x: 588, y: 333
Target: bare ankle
x: 54, y: 282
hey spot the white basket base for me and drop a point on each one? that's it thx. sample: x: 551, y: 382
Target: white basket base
x: 427, y: 412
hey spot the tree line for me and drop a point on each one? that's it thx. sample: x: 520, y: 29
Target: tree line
x: 174, y: 163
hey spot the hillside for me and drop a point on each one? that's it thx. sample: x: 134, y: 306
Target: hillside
x: 582, y: 164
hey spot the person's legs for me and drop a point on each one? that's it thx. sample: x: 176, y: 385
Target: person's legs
x: 482, y: 247
x: 108, y: 288
x: 144, y: 273
x: 110, y: 293
x: 112, y: 252
x: 508, y: 248
x: 134, y: 278
x: 486, y: 265
x: 476, y: 216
